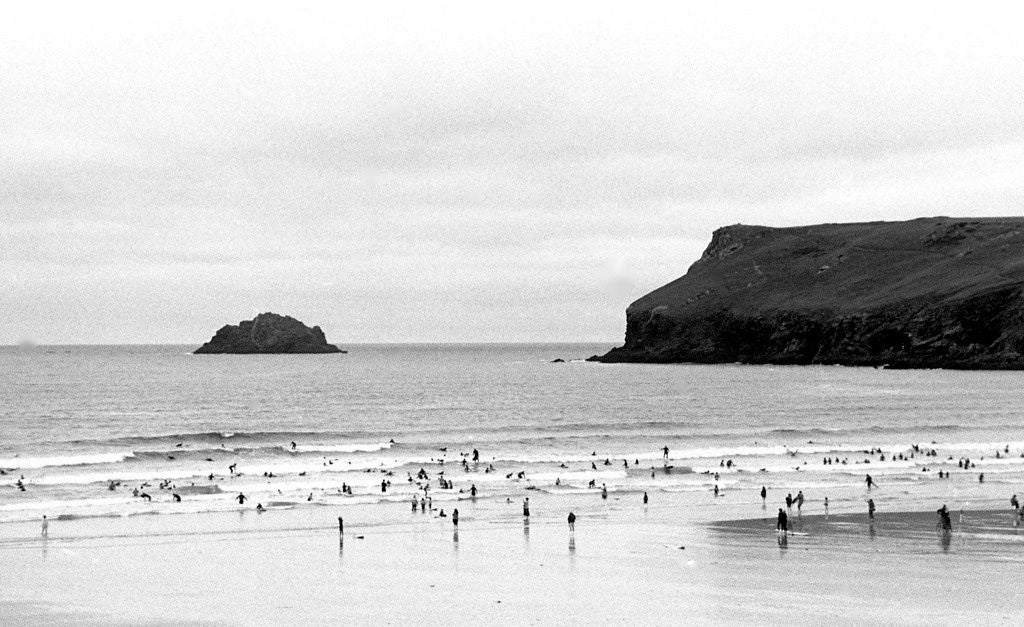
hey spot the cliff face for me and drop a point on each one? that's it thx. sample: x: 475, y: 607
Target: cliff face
x: 927, y: 293
x: 268, y: 333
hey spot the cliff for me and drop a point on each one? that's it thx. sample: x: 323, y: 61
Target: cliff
x: 268, y: 333
x: 927, y: 293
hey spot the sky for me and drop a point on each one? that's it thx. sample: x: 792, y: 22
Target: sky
x: 465, y: 172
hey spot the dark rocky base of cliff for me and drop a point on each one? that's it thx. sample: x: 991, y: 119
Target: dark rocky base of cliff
x: 981, y: 333
x: 268, y: 333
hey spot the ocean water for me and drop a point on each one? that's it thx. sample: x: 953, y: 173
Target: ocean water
x: 82, y: 427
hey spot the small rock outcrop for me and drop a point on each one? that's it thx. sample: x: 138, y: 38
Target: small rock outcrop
x: 268, y: 333
x: 926, y: 293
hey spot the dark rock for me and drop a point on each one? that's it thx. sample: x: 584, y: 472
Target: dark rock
x: 268, y: 333
x: 927, y: 293
x: 559, y: 360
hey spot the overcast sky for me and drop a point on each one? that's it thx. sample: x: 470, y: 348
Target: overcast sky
x: 464, y: 172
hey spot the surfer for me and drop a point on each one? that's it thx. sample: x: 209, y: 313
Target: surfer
x: 231, y: 468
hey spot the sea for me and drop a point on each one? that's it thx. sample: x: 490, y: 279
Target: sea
x: 86, y: 431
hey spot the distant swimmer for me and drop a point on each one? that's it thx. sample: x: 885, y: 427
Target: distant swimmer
x: 645, y: 498
x: 241, y: 498
x: 869, y: 481
x: 259, y: 507
x: 526, y: 507
x: 46, y: 527
x: 176, y: 498
x: 782, y: 524
x: 871, y: 509
x: 455, y: 517
x: 572, y: 522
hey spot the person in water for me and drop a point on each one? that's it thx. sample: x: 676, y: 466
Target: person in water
x: 572, y: 522
x: 241, y: 498
x: 645, y: 498
x: 46, y: 527
x: 764, y: 494
x: 871, y: 509
x: 455, y: 517
x: 782, y: 523
x: 526, y: 507
x: 869, y: 481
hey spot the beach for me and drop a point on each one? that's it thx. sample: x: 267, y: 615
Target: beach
x: 652, y: 564
x: 309, y: 439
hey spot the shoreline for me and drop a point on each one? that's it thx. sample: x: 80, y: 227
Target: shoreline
x: 624, y: 562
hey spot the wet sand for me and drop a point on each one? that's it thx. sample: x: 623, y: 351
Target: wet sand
x: 625, y: 563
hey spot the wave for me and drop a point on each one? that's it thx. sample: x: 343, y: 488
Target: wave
x: 85, y: 459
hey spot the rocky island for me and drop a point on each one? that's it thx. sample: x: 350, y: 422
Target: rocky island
x: 268, y: 333
x: 926, y: 293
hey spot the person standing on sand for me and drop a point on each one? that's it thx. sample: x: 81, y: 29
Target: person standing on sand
x: 526, y: 507
x: 572, y: 523
x: 46, y: 527
x: 871, y: 509
x: 782, y: 523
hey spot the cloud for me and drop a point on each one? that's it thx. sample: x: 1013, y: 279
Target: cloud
x: 527, y: 170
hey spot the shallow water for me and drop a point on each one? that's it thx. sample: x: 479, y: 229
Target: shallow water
x: 76, y: 419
